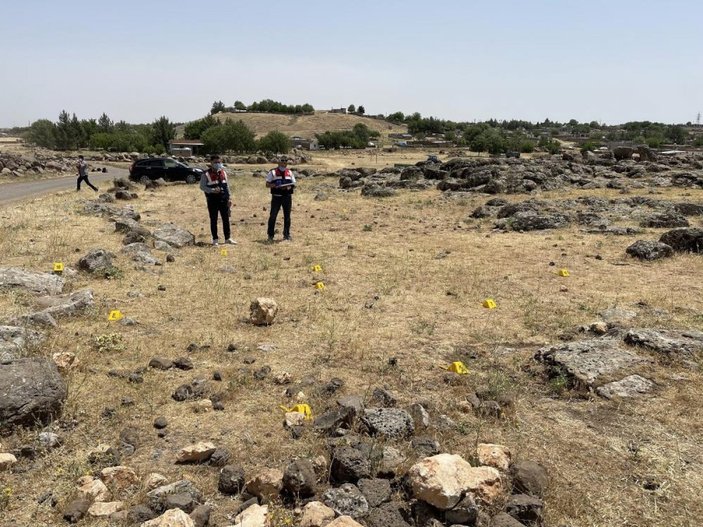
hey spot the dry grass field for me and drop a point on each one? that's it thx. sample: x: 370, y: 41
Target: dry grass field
x: 404, y: 278
x: 309, y: 125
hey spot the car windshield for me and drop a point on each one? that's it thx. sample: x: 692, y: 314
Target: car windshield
x: 171, y: 163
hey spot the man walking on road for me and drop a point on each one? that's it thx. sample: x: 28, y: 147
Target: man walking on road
x: 83, y: 175
x: 281, y: 181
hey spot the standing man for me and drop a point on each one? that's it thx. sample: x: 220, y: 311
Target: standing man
x: 281, y: 181
x: 83, y: 175
x: 213, y: 183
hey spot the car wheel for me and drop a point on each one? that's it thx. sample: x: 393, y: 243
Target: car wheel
x: 191, y: 178
x: 144, y: 179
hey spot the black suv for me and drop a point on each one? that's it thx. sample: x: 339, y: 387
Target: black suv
x: 163, y: 167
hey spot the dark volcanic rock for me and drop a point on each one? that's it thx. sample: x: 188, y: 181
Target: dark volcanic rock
x: 32, y: 392
x: 299, y: 478
x: 349, y: 464
x: 684, y: 240
x: 231, y: 480
x: 649, y: 250
x: 529, y: 478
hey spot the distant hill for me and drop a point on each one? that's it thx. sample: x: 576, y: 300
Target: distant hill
x: 307, y: 125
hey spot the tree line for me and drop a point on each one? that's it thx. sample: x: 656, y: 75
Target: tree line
x: 265, y: 106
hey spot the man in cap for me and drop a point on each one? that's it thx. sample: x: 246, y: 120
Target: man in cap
x: 281, y: 181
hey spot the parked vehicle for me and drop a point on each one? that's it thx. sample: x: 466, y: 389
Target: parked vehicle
x: 163, y: 167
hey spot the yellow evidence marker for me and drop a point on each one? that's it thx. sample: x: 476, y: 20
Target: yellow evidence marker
x: 489, y: 303
x: 563, y: 272
x: 114, y: 315
x: 320, y: 286
x: 223, y: 252
x: 58, y: 267
x: 300, y: 408
x: 458, y: 367
x: 317, y: 268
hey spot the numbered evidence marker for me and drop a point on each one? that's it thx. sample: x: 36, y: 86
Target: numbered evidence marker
x: 317, y: 268
x: 115, y: 315
x: 458, y: 367
x: 223, y: 252
x: 563, y: 272
x: 58, y: 267
x: 300, y: 408
x: 320, y: 286
x: 489, y: 303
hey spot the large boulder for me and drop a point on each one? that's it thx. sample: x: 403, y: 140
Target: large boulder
x: 589, y: 361
x: 45, y: 283
x: 684, y: 240
x: 649, y: 250
x: 97, y: 261
x: 31, y: 392
x: 443, y: 481
x: 174, y: 235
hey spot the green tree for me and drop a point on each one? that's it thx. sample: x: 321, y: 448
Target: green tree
x: 308, y: 108
x: 275, y: 143
x: 676, y: 134
x: 361, y: 110
x: 232, y: 136
x: 42, y: 133
x: 195, y: 129
x: 163, y: 131
x: 397, y: 117
x: 217, y: 106
x: 351, y: 108
x: 105, y: 124
x: 239, y: 105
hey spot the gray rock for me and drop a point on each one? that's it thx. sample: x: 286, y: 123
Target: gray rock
x: 201, y: 515
x: 31, y: 392
x: 174, y: 235
x: 299, y: 478
x: 347, y: 500
x: 531, y: 221
x: 630, y: 386
x: 649, y: 250
x: 464, y: 513
x: 387, y: 515
x: 588, y: 361
x: 505, y: 520
x: 388, y: 422
x: 16, y: 340
x: 97, y: 261
x: 140, y: 514
x: 684, y: 240
x: 375, y: 190
x: 231, y: 480
x: 160, y: 423
x: 376, y: 491
x: 220, y: 456
x: 45, y: 283
x: 527, y: 509
x: 529, y: 478
x: 354, y: 402
x: 334, y: 418
x: 160, y: 363
x: 157, y: 497
x: 426, y: 447
x: 383, y: 397
x: 75, y: 510
x: 349, y: 464
x: 669, y: 342
x: 180, y: 500
x: 139, y: 252
x: 49, y: 440
x: 668, y: 220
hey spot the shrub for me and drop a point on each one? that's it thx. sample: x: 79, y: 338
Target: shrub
x: 275, y: 143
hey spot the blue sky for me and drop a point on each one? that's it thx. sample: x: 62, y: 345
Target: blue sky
x: 609, y: 61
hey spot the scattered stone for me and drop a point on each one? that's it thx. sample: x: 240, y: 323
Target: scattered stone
x: 505, y: 520
x: 157, y: 497
x: 388, y: 422
x: 497, y: 456
x: 253, y: 516
x: 333, y: 419
x: 376, y: 491
x: 464, y: 513
x: 420, y: 416
x: 49, y: 440
x: 201, y: 516
x: 267, y: 484
x: 171, y: 518
x: 649, y: 250
x: 383, y: 397
x: 97, y: 261
x: 293, y: 419
x: 180, y: 500
x: 529, y: 478
x: 103, y: 456
x: 349, y: 464
x: 316, y: 514
x: 119, y: 478
x: 197, y: 453
x: 588, y: 361
x: 347, y: 500
x: 154, y: 480
x: 65, y: 360
x: 139, y: 514
x: 344, y: 521
x: 262, y: 311
x: 15, y: 341
x: 75, y: 510
x: 684, y: 240
x: 443, y: 480
x: 387, y: 515
x: 174, y: 236
x: 159, y: 363
x: 425, y: 446
x: 160, y: 422
x: 183, y: 393
x: 32, y: 391
x: 391, y: 461
x: 6, y: 461
x: 669, y: 342
x: 299, y: 478
x: 231, y: 480
x: 105, y: 509
x: 220, y: 457
x: 183, y: 363
x: 527, y: 509
x: 630, y: 386
x: 44, y: 283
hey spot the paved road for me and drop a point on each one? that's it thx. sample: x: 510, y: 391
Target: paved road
x: 12, y: 192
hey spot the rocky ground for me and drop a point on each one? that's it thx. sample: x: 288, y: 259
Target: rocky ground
x: 157, y: 380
